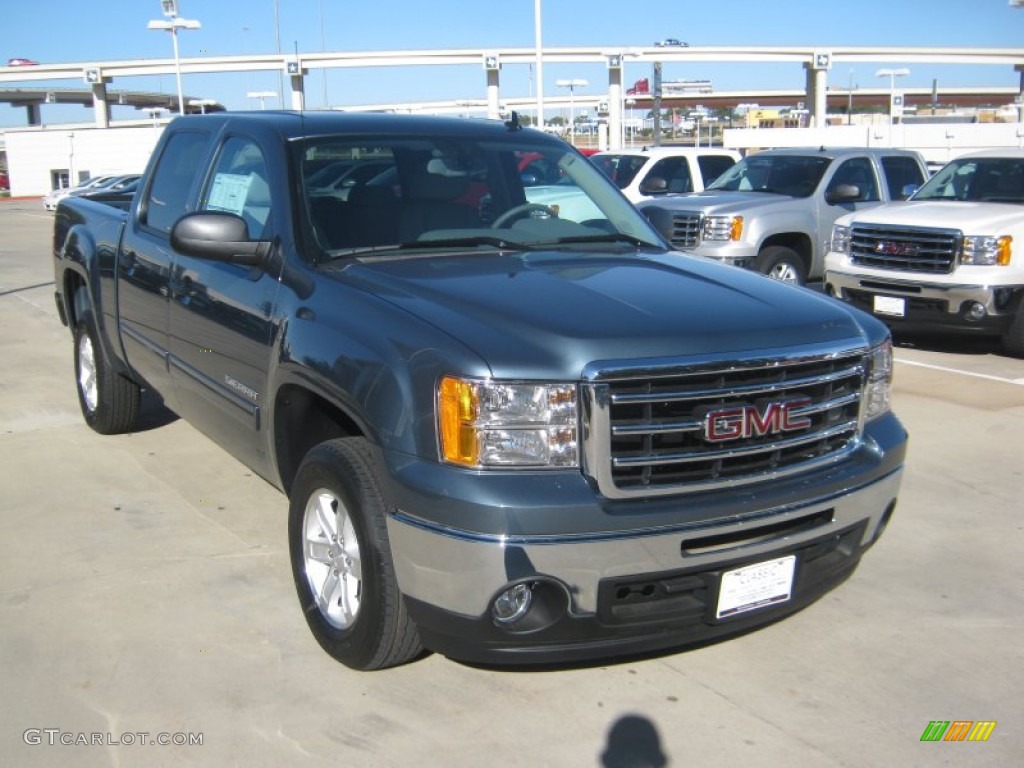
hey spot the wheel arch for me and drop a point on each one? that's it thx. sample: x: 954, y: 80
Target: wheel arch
x: 799, y: 242
x: 302, y: 419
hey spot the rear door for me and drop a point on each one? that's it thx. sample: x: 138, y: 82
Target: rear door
x: 144, y: 263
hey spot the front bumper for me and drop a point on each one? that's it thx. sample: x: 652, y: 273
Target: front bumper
x: 625, y: 592
x: 929, y: 306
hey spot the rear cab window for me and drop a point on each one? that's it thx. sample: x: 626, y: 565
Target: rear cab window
x: 167, y: 197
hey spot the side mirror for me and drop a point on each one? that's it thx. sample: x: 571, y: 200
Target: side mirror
x: 843, y: 193
x: 654, y: 185
x: 218, y: 236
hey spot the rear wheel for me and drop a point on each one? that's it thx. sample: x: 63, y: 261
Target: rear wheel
x: 341, y: 559
x: 781, y: 263
x: 109, y: 401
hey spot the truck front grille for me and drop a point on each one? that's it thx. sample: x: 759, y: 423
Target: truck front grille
x: 697, y: 429
x: 932, y: 251
x: 686, y: 228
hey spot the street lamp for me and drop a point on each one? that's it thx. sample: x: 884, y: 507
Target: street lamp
x: 173, y: 25
x: 892, y: 74
x: 202, y: 104
x: 572, y: 85
x: 262, y: 96
x: 539, y: 53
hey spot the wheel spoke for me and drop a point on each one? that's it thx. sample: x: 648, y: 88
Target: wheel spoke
x: 327, y: 591
x: 325, y: 515
x: 348, y: 605
x: 354, y: 565
x: 318, y: 550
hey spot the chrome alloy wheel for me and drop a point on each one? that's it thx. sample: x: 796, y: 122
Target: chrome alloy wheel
x: 785, y: 273
x: 332, y: 562
x: 87, y: 373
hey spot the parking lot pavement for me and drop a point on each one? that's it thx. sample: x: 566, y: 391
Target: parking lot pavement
x: 145, y: 596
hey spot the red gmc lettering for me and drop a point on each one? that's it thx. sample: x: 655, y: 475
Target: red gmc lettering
x: 750, y: 421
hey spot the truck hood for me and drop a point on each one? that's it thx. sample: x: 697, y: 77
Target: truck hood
x: 550, y: 314
x: 722, y: 202
x: 972, y: 218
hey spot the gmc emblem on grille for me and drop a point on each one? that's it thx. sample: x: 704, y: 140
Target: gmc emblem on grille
x: 891, y: 248
x: 745, y: 421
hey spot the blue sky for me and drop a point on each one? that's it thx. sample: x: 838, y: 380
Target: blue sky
x: 53, y: 31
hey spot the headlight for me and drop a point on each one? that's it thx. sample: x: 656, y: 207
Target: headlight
x: 981, y: 250
x: 878, y: 394
x: 486, y: 423
x: 722, y: 228
x: 840, y: 242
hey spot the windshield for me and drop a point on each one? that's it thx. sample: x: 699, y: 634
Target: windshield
x: 989, y: 179
x: 429, y: 193
x: 793, y: 175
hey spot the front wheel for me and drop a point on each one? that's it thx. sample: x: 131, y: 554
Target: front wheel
x: 341, y: 559
x: 1013, y: 337
x: 109, y: 401
x: 781, y: 263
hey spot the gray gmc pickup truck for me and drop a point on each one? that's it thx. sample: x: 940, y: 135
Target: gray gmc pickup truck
x: 773, y: 211
x: 507, y: 435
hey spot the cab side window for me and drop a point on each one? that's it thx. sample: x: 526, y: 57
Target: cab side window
x: 901, y: 172
x: 167, y: 198
x: 239, y: 185
x: 676, y: 173
x: 858, y: 172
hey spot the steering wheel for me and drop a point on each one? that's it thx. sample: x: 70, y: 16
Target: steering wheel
x: 519, y: 210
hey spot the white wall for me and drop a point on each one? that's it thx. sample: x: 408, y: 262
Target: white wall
x: 33, y: 153
x: 938, y: 143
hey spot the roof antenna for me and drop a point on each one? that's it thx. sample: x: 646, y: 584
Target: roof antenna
x: 513, y: 123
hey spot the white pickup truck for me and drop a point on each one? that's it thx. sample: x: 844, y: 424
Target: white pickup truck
x: 645, y: 174
x: 950, y: 259
x: 773, y: 211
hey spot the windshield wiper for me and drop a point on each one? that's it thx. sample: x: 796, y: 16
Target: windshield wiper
x: 611, y: 237
x: 467, y: 242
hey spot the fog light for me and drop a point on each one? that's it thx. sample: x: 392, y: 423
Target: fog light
x: 512, y: 604
x: 976, y: 311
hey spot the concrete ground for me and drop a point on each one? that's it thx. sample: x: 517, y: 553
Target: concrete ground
x: 145, y: 596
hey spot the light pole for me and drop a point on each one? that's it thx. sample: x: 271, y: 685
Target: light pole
x: 849, y: 101
x: 892, y: 74
x: 262, y: 96
x: 173, y: 25
x: 540, y: 63
x: 572, y: 85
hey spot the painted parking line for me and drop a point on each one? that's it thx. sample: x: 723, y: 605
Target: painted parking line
x: 946, y: 369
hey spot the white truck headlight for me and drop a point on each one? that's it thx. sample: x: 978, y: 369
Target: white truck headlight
x: 722, y: 228
x: 497, y: 424
x: 982, y: 250
x: 878, y: 393
x: 840, y: 242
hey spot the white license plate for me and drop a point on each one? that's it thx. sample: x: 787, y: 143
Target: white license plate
x: 756, y: 586
x: 890, y: 305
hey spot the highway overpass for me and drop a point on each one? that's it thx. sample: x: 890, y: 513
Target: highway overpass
x: 816, y: 61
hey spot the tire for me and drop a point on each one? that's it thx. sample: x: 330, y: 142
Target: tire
x: 109, y: 401
x: 341, y: 559
x: 1013, y: 337
x: 781, y: 263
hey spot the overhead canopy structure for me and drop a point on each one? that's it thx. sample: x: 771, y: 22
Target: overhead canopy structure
x: 33, y: 98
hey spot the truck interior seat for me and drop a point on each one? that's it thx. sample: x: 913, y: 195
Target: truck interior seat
x: 430, y: 202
